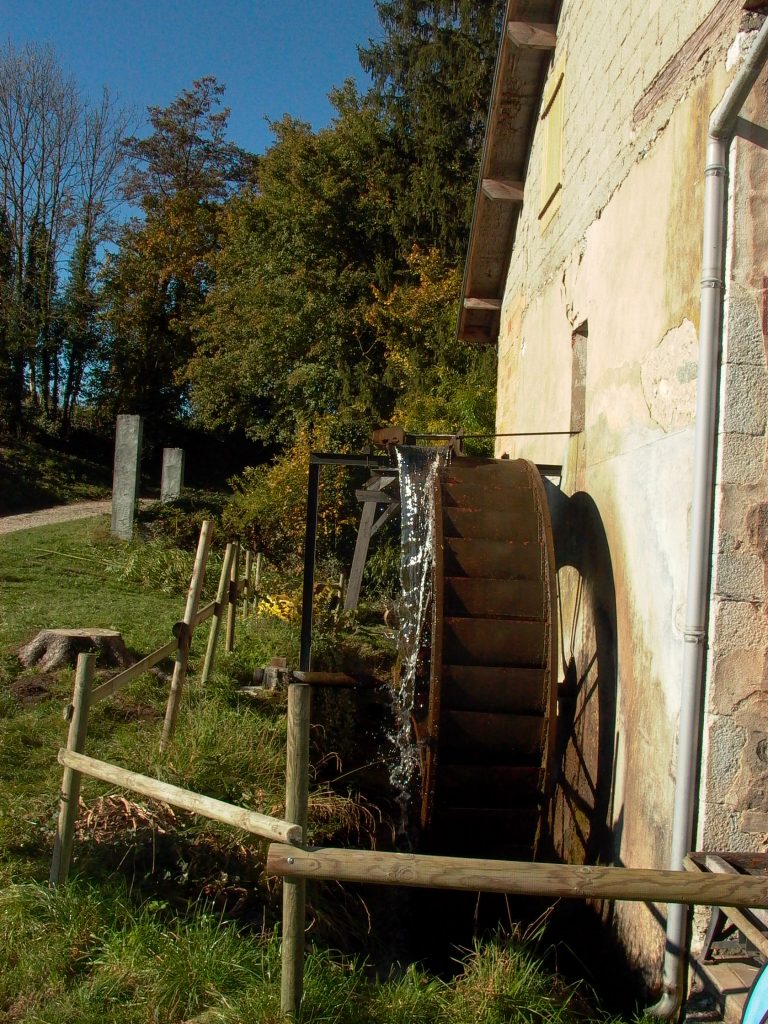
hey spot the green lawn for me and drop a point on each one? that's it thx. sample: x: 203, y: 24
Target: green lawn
x: 60, y: 576
x: 168, y: 916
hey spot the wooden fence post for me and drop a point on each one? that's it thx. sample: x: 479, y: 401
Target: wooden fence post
x: 221, y: 594
x: 257, y: 581
x: 248, y: 589
x: 229, y: 642
x: 185, y: 638
x: 70, y: 786
x: 294, y: 890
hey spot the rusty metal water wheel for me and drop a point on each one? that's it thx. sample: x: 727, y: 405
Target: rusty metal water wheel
x: 488, y: 734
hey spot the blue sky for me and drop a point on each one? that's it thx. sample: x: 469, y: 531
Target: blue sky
x: 274, y: 57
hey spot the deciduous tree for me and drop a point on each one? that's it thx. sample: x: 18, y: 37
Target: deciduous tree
x: 156, y: 283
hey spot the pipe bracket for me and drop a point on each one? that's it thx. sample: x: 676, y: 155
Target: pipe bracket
x: 695, y: 636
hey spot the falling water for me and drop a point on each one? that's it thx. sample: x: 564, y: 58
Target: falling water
x: 419, y: 468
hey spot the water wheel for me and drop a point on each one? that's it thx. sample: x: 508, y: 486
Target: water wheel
x: 489, y: 730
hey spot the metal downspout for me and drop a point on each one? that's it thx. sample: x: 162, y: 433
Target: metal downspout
x: 721, y: 128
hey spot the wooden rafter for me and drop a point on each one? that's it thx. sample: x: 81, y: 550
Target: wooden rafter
x: 503, y: 189
x: 533, y: 35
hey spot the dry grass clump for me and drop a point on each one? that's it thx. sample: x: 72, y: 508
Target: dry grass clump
x: 109, y: 819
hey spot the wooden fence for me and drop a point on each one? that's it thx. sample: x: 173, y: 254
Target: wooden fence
x: 288, y: 857
x: 76, y: 763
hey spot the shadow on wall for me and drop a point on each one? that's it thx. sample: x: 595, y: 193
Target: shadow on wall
x: 580, y: 813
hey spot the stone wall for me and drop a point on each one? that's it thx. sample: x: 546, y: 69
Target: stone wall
x: 736, y: 738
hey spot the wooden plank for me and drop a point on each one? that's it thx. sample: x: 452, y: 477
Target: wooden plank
x: 492, y: 523
x: 495, y: 559
x: 117, y: 682
x: 522, y: 599
x: 364, y: 534
x: 213, y: 636
x: 250, y: 821
x: 479, y: 688
x: 477, y: 333
x: 229, y: 634
x: 204, y: 613
x: 385, y: 515
x: 324, y: 678
x: 481, y: 302
x: 729, y: 983
x: 675, y: 74
x: 718, y: 864
x: 503, y: 189
x: 69, y: 797
x: 380, y: 497
x: 567, y: 881
x: 482, y: 737
x: 532, y: 35
x: 495, y: 642
x: 500, y: 785
x: 296, y: 805
x: 182, y: 660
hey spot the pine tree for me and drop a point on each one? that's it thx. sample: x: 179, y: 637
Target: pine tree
x: 433, y: 74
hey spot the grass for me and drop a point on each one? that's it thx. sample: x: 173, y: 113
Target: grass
x: 167, y: 915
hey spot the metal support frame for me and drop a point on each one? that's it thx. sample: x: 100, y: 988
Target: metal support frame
x: 316, y: 461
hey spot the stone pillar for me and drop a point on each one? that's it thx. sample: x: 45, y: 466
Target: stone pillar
x: 126, y: 474
x: 173, y: 474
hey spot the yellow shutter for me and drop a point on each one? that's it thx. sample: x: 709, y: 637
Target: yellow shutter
x: 552, y: 167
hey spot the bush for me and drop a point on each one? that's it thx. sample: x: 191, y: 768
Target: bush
x: 178, y: 522
x: 269, y: 507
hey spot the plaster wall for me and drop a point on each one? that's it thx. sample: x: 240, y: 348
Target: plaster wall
x: 620, y: 262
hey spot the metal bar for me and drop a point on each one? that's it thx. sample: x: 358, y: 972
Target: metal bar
x: 331, y: 459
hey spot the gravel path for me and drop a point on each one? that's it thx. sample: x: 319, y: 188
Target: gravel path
x: 58, y: 514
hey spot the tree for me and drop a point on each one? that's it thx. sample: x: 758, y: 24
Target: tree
x: 156, y: 283
x: 283, y: 339
x: 440, y: 386
x: 53, y: 167
x: 432, y: 75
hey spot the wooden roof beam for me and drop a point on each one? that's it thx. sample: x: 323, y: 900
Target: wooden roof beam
x: 504, y: 189
x: 477, y: 334
x: 481, y: 302
x: 532, y: 34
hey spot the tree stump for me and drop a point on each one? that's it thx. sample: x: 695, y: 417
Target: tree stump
x: 55, y: 648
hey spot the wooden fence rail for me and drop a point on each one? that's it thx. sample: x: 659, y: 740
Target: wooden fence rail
x: 519, y: 877
x: 116, y: 683
x: 230, y: 814
x: 76, y: 764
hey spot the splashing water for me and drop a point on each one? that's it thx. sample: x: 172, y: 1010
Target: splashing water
x: 419, y: 469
